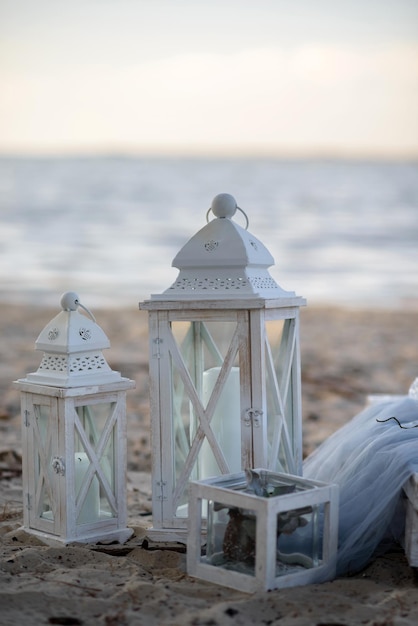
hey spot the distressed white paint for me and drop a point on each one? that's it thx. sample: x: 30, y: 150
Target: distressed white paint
x: 56, y: 456
x: 263, y: 432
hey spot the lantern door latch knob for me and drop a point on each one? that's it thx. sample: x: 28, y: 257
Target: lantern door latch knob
x: 58, y: 465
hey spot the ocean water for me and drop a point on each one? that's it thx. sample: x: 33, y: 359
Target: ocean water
x: 341, y: 232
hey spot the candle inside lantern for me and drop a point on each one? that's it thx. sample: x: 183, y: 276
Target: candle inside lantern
x: 225, y: 423
x: 90, y: 510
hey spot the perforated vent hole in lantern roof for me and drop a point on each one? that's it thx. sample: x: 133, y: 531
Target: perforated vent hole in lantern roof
x: 209, y: 283
x: 53, y: 363
x: 85, y: 363
x: 223, y: 283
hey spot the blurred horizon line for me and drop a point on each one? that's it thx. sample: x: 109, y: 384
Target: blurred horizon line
x: 213, y: 153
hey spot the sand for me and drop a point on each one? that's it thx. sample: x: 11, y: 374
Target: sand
x: 346, y: 355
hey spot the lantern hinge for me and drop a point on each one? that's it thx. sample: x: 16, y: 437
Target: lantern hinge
x: 26, y: 418
x: 253, y: 417
x: 156, y: 352
x: 161, y: 484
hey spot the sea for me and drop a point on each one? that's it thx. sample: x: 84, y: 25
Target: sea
x: 342, y: 232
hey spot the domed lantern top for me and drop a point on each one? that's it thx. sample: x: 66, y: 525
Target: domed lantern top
x: 223, y: 261
x: 72, y: 344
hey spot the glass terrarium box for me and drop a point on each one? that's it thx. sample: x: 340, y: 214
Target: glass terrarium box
x: 265, y: 530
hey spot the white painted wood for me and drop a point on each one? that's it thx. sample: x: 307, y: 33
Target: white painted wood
x: 247, y: 303
x: 49, y: 424
x: 245, y: 365
x: 255, y: 356
x: 155, y: 415
x: 27, y: 457
x: 296, y: 400
x: 38, y: 481
x: 72, y: 392
x: 258, y: 392
x: 287, y: 304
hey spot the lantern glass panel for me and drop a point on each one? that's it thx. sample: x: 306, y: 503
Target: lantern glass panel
x: 299, y: 541
x: 94, y: 440
x: 280, y: 348
x: 203, y: 353
x: 231, y: 538
x: 44, y: 477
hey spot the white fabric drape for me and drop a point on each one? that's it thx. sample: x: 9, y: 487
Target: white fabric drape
x: 370, y: 459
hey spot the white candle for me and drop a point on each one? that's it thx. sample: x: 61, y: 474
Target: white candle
x: 225, y: 423
x: 90, y: 510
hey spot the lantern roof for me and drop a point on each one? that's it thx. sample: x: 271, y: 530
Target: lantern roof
x: 72, y: 344
x: 223, y: 261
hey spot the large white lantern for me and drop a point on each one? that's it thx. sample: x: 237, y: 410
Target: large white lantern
x: 224, y: 368
x: 74, y: 434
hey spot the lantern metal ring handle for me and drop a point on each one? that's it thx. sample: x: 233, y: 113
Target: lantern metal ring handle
x: 224, y: 205
x: 247, y: 222
x: 70, y: 301
x: 89, y: 313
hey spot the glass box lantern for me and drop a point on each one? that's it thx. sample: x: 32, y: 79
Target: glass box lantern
x: 74, y: 434
x: 265, y: 530
x: 224, y: 367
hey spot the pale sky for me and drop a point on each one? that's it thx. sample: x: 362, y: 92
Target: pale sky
x: 209, y: 76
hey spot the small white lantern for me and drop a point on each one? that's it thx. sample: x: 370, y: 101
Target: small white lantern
x: 74, y: 434
x: 264, y: 530
x: 224, y: 368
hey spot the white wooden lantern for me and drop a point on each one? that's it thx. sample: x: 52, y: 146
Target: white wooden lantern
x: 74, y: 434
x: 264, y: 530
x: 224, y: 367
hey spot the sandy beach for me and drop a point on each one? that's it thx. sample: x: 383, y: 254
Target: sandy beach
x: 346, y: 355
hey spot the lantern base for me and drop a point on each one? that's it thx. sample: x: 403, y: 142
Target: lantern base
x: 120, y: 535
x: 169, y: 535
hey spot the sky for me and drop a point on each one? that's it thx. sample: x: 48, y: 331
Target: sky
x: 239, y: 77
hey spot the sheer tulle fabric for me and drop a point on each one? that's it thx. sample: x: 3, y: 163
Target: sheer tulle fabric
x: 370, y: 460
